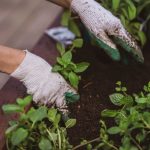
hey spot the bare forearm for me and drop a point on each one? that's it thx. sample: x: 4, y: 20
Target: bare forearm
x: 10, y: 59
x: 63, y: 3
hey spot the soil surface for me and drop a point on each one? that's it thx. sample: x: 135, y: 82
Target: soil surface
x: 96, y: 85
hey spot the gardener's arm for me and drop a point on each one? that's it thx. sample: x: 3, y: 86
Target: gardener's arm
x: 36, y: 74
x: 104, y: 27
x: 10, y: 59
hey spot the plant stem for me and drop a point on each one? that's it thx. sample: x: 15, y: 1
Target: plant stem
x: 139, y: 147
x: 51, y: 138
x: 59, y: 138
x: 81, y: 145
x: 147, y: 125
x: 7, y: 145
x: 110, y: 145
x: 72, y: 48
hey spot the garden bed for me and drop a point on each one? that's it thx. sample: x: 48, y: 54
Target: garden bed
x: 96, y: 84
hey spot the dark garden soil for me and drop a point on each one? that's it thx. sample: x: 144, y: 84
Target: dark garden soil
x: 97, y: 83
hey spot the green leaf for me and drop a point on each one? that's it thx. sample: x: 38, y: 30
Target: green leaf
x: 19, y: 136
x: 131, y: 10
x: 60, y: 61
x: 56, y: 68
x: 115, y: 4
x: 124, y: 12
x: 114, y: 130
x: 11, y: 129
x: 24, y: 102
x: 142, y: 37
x: 71, y: 66
x: 140, y: 137
x: 36, y: 115
x: 118, y: 89
x: 124, y: 89
x: 108, y: 113
x: 45, y: 144
x: 123, y: 20
x: 78, y: 43
x: 81, y: 67
x: 52, y: 136
x: 146, y: 116
x: 57, y: 120
x: 70, y: 123
x: 141, y: 100
x: 52, y: 114
x: 71, y: 97
x: 60, y: 48
x: 74, y: 28
x: 65, y: 18
x: 65, y: 74
x: 67, y: 57
x: 118, y: 83
x: 89, y: 147
x: 116, y: 99
x: 11, y: 108
x: 74, y: 79
x: 127, y: 100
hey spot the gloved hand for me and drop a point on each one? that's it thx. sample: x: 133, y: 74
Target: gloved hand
x: 47, y: 88
x: 102, y: 25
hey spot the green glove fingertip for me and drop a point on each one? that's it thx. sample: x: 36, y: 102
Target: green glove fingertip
x: 135, y: 52
x: 111, y: 52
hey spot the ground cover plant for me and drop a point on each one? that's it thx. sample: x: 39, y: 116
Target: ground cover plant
x: 42, y: 128
x: 36, y: 128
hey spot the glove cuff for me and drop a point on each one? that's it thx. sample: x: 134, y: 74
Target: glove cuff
x: 30, y: 63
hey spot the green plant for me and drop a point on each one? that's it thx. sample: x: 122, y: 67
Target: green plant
x: 41, y: 128
x: 65, y: 65
x: 36, y: 128
x: 131, y: 122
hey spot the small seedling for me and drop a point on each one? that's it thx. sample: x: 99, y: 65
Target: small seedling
x: 65, y: 65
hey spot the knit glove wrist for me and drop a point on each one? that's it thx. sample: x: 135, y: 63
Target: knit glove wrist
x: 46, y: 87
x: 102, y: 24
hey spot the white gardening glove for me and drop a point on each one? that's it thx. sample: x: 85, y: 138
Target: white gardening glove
x: 102, y: 24
x: 47, y: 88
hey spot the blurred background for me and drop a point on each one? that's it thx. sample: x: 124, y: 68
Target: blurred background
x: 22, y: 23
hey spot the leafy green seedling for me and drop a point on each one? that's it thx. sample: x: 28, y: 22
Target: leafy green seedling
x: 130, y: 122
x: 131, y: 119
x: 65, y: 65
x: 38, y: 128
